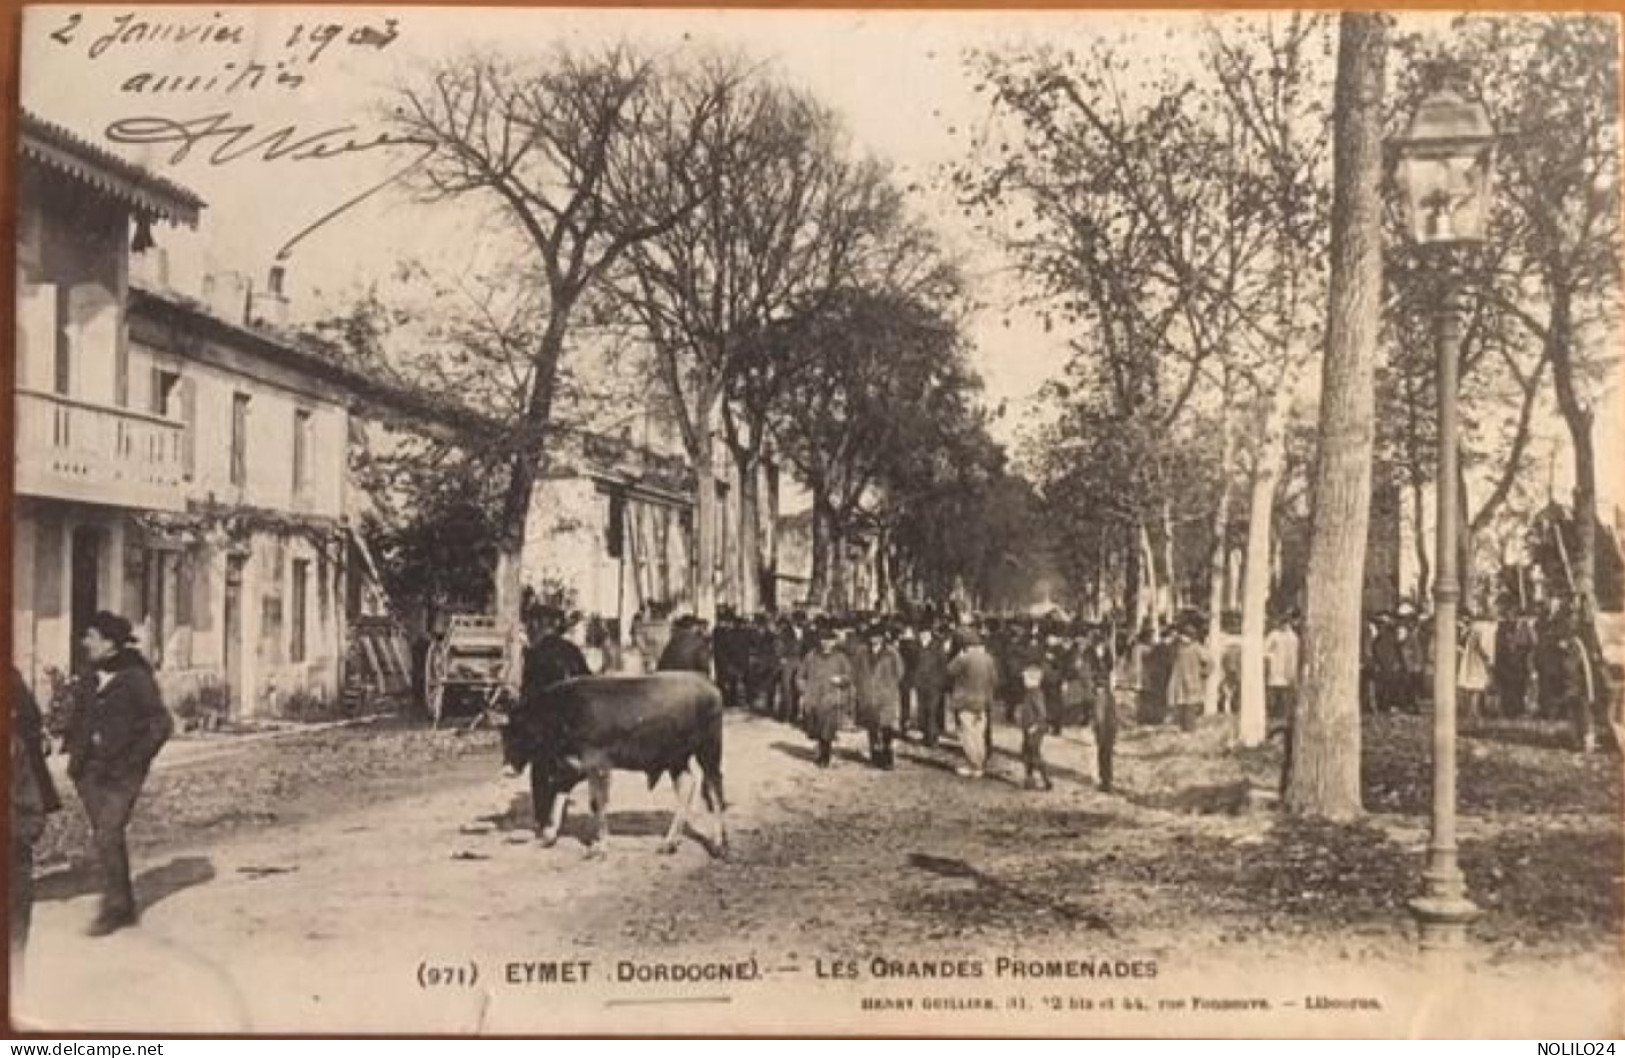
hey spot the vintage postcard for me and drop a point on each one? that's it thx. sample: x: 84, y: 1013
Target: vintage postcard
x: 545, y: 521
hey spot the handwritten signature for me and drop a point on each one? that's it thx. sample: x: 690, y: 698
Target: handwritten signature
x: 232, y: 140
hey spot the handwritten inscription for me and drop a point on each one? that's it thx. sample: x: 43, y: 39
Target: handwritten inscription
x: 229, y: 64
x: 226, y: 139
x: 307, y: 41
x: 227, y: 55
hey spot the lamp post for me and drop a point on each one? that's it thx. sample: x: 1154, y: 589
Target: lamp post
x: 1445, y: 166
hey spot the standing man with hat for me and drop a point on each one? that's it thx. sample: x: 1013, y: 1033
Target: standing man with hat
x: 1188, y: 670
x: 879, y: 683
x: 823, y: 683
x: 688, y: 649
x: 119, y: 724
x: 973, y: 683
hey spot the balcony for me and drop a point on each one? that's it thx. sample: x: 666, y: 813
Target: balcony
x: 70, y: 449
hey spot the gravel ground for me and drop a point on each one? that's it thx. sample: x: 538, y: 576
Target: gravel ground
x: 310, y: 874
x: 196, y: 796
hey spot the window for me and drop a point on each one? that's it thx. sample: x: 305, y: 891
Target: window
x: 166, y: 393
x: 301, y: 451
x: 239, y: 439
x: 301, y: 576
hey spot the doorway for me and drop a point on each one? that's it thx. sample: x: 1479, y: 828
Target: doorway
x: 84, y: 587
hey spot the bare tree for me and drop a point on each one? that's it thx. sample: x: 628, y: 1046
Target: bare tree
x: 784, y: 220
x: 1552, y: 85
x: 588, y: 155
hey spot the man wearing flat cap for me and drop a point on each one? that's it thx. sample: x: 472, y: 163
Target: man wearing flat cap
x: 118, y: 725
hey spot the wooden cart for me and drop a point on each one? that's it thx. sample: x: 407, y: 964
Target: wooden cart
x: 467, y: 668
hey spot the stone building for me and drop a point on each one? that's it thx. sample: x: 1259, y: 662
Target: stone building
x: 173, y: 463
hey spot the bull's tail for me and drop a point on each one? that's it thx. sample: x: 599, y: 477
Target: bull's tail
x: 710, y: 758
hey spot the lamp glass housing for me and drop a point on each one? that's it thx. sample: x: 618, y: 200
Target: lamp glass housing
x: 1446, y: 165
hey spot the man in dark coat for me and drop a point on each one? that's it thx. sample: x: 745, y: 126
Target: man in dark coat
x: 787, y: 651
x: 1389, y: 668
x: 33, y: 798
x: 549, y: 658
x: 688, y: 650
x: 879, y: 679
x: 119, y: 724
x: 824, y: 682
x: 1056, y: 669
x: 732, y: 659
x: 930, y: 680
x: 1159, y: 666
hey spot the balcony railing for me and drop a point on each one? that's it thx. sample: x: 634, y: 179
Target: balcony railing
x: 74, y: 450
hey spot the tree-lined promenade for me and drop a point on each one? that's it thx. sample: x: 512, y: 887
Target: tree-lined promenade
x: 1217, y: 237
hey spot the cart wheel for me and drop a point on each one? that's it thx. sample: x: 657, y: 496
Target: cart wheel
x: 435, y: 663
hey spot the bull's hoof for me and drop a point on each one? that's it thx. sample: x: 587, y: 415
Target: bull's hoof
x: 547, y: 840
x: 596, y: 851
x: 666, y: 848
x: 720, y: 851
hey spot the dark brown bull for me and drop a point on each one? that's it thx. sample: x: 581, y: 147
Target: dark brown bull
x: 585, y: 728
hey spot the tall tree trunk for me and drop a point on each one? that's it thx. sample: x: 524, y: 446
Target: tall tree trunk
x: 1149, y: 593
x: 747, y: 536
x: 705, y: 510
x: 1577, y: 415
x: 1419, y: 537
x: 818, y: 577
x: 527, y: 460
x: 840, y: 568
x: 1325, y: 777
x: 770, y: 563
x: 1133, y: 597
x: 1415, y: 478
x: 883, y: 579
x: 1465, y: 546
x: 1216, y: 558
x: 1170, y: 568
x: 1251, y: 721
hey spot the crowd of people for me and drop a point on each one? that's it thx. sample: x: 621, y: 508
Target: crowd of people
x: 1543, y: 664
x: 930, y: 675
x: 923, y: 676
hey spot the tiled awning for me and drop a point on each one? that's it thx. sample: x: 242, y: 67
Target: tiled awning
x: 54, y: 147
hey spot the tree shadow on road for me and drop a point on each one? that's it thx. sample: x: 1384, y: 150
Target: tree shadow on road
x: 151, y: 886
x: 989, y: 892
x: 1211, y: 799
x: 809, y: 754
x: 1056, y: 771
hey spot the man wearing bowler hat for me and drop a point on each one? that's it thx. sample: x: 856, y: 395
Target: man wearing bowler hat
x: 119, y: 724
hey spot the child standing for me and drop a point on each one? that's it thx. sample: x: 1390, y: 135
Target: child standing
x: 1033, y: 718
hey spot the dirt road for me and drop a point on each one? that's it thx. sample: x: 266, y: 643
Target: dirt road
x: 855, y: 900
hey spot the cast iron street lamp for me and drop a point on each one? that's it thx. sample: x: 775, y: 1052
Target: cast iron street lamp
x: 1445, y: 164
